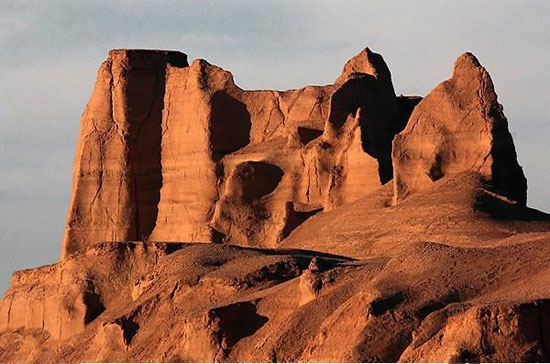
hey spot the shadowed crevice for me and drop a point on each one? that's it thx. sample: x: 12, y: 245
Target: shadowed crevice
x: 308, y: 134
x: 384, y: 304
x: 507, y: 174
x: 145, y: 99
x: 296, y: 218
x: 381, y: 116
x: 500, y: 208
x: 129, y: 328
x: 229, y: 124
x: 237, y: 321
x: 252, y: 180
x: 94, y: 306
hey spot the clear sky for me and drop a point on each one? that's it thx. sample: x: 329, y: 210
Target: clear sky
x: 50, y: 51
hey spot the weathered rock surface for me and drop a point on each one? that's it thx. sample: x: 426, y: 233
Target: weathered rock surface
x: 117, y: 170
x: 210, y: 302
x: 424, y: 252
x: 166, y: 147
x: 458, y: 127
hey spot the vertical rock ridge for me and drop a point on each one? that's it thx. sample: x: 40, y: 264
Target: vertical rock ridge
x: 117, y: 173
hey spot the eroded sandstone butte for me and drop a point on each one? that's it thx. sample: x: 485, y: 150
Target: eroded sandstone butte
x: 371, y: 227
x: 176, y: 152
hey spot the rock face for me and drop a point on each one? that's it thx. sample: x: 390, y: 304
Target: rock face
x: 458, y: 127
x: 172, y: 152
x: 117, y: 170
x: 397, y: 225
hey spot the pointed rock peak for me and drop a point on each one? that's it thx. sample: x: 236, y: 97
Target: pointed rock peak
x: 468, y: 60
x: 200, y: 65
x: 367, y: 62
x: 203, y: 66
x: 459, y: 127
x: 466, y: 63
x: 471, y: 78
x: 147, y: 58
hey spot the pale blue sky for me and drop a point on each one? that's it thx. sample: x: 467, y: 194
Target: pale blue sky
x: 50, y: 52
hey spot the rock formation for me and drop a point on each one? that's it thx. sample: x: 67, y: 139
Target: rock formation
x: 171, y: 152
x: 350, y: 224
x: 458, y: 127
x: 117, y: 170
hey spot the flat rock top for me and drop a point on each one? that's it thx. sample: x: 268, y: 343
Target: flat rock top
x: 147, y: 58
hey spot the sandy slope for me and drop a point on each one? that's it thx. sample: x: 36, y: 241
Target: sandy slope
x: 432, y: 279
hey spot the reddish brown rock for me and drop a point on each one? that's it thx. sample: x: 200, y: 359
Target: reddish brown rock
x: 117, y: 170
x: 211, y: 302
x: 458, y: 127
x: 456, y: 269
x: 162, y: 144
